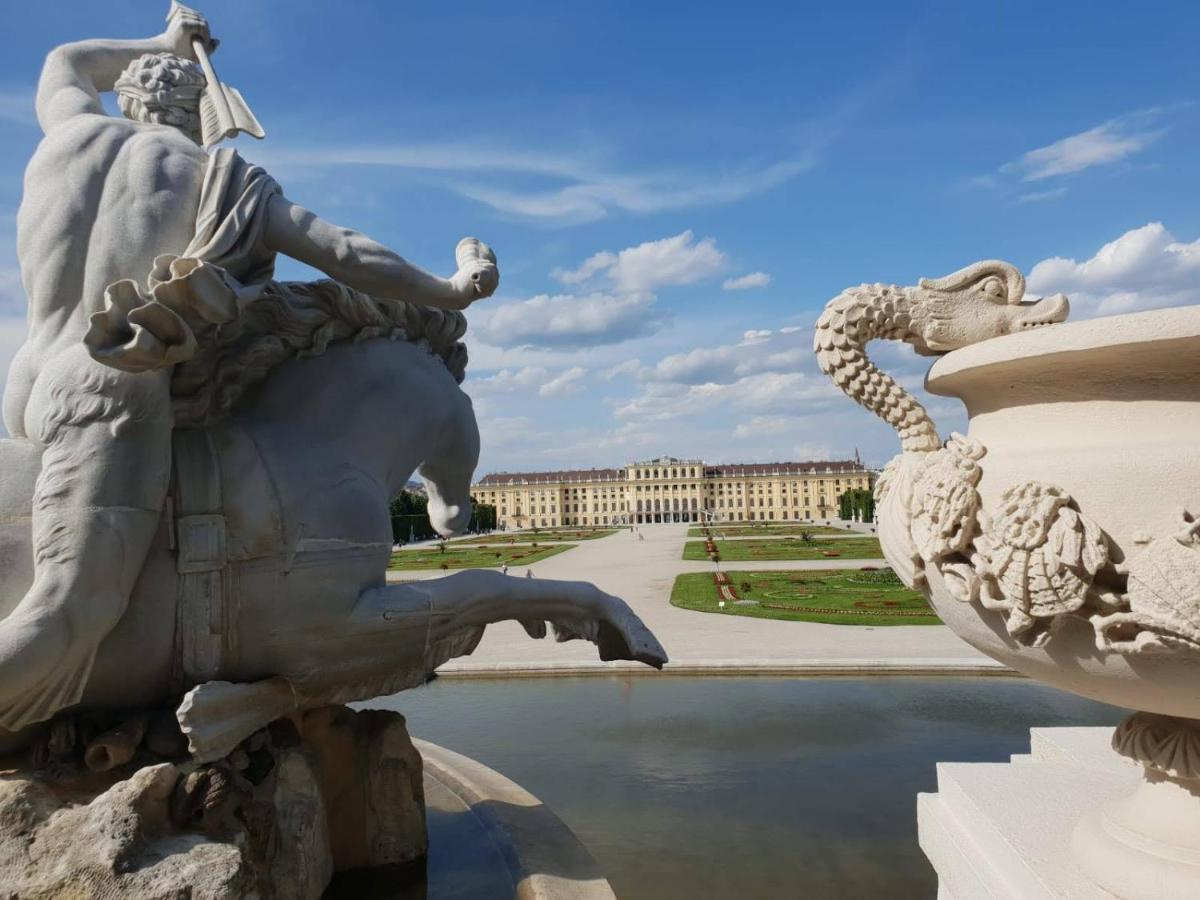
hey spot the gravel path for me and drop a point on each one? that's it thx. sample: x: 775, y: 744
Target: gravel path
x: 642, y: 572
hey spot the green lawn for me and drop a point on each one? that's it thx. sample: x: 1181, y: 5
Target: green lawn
x: 528, y: 537
x: 788, y: 548
x: 868, y: 598
x: 472, y: 557
x: 768, y: 530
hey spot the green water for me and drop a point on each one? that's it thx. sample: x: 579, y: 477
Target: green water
x: 739, y: 788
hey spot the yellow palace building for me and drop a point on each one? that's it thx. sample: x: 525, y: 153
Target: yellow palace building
x: 672, y: 490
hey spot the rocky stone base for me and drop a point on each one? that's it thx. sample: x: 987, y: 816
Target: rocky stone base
x: 102, y: 814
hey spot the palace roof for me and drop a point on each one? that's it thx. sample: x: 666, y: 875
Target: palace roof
x: 497, y: 479
x: 725, y: 470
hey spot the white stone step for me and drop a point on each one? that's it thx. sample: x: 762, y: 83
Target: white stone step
x: 1002, y: 830
x: 1089, y: 747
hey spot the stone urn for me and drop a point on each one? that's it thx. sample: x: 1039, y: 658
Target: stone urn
x: 1057, y: 535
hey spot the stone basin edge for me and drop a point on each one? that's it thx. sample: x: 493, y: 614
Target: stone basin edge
x: 544, y: 857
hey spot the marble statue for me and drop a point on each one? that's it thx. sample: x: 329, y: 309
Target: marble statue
x: 1059, y: 534
x: 195, y: 494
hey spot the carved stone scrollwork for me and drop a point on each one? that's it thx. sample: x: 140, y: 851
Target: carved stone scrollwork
x: 945, y: 503
x: 1036, y: 557
x: 1044, y: 558
x: 1163, y: 598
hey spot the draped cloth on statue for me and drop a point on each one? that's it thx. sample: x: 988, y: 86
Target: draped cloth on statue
x: 226, y: 266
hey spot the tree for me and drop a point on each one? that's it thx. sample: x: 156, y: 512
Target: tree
x: 860, y: 502
x: 410, y: 517
x: 483, y: 516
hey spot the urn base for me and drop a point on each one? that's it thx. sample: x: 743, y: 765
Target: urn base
x: 1145, y: 846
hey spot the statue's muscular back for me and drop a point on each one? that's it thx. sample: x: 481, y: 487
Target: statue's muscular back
x: 103, y: 197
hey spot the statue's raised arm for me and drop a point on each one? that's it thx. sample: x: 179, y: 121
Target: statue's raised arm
x: 76, y: 74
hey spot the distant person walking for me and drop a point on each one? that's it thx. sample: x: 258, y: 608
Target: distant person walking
x: 504, y: 569
x: 529, y: 573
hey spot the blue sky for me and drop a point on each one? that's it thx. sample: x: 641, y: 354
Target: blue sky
x: 674, y: 192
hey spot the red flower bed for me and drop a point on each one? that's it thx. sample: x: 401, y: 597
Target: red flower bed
x: 725, y: 590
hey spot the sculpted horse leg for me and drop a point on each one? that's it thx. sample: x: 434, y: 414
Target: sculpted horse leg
x: 372, y: 651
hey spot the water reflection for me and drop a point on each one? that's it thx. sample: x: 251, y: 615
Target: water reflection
x: 741, y: 787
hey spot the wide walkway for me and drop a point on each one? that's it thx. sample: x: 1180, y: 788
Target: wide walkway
x: 642, y: 572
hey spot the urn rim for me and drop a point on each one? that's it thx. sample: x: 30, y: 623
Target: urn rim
x: 1109, y: 337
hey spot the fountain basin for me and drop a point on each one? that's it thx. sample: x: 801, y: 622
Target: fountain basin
x: 735, y: 786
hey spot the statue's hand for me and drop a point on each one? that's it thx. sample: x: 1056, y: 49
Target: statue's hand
x: 183, y: 24
x: 477, y: 276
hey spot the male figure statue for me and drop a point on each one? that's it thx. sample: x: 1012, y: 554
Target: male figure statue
x: 106, y: 200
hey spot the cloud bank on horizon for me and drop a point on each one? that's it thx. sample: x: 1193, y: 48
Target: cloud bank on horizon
x: 671, y: 215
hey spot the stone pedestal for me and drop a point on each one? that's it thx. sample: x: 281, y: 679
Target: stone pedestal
x: 370, y: 778
x: 1004, y: 830
x: 332, y: 790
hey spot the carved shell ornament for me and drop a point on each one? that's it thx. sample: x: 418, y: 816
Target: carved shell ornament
x: 1166, y: 743
x: 1037, y: 558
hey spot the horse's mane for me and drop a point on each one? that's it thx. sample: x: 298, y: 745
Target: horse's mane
x: 298, y: 319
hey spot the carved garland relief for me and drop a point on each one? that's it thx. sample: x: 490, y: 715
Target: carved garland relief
x: 1039, y: 559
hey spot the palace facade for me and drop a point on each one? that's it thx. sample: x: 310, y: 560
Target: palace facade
x: 672, y: 490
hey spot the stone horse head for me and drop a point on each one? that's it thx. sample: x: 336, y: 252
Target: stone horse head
x: 266, y: 590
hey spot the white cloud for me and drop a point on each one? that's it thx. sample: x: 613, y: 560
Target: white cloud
x: 762, y: 393
x: 812, y: 450
x: 596, y: 193
x: 1042, y: 196
x: 507, y: 431
x: 1145, y: 268
x: 505, y: 381
x: 697, y: 366
x: 747, y: 282
x: 765, y: 426
x: 583, y: 189
x: 481, y: 156
x: 759, y: 351
x: 593, y: 265
x: 748, y: 402
x: 16, y: 105
x: 622, y: 312
x: 1107, y: 143
x: 568, y: 321
x: 676, y: 260
x: 630, y: 368
x: 670, y: 261
x: 565, y: 382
